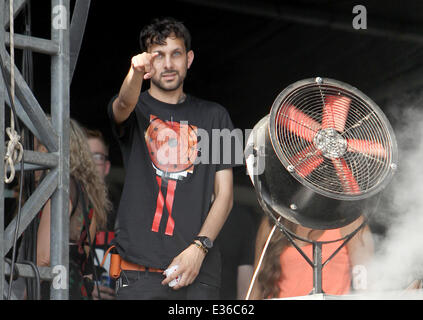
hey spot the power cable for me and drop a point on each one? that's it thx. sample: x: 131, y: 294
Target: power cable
x: 37, y: 277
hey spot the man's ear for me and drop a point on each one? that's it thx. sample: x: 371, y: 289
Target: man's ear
x: 190, y: 55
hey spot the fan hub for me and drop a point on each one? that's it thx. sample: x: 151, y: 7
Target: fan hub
x: 331, y: 143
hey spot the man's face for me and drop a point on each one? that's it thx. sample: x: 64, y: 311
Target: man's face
x: 171, y: 64
x: 100, y: 156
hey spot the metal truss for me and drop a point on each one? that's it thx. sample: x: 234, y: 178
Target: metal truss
x: 54, y: 134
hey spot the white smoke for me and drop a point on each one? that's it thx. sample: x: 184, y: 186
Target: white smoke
x: 398, y: 256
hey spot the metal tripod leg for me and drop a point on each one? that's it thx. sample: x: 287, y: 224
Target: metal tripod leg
x: 317, y: 268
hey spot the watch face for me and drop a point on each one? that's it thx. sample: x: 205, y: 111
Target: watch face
x: 207, y: 243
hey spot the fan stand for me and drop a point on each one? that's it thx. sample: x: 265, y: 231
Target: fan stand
x: 316, y: 263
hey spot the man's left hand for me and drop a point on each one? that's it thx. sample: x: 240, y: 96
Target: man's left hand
x: 189, y: 263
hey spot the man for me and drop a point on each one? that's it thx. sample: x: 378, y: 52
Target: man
x: 100, y: 152
x: 166, y: 214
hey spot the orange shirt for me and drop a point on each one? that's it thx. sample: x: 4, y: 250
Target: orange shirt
x: 297, y: 274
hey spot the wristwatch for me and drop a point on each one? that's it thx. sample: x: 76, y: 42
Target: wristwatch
x: 205, y: 242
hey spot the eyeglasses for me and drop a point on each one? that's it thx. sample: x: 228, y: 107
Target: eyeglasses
x: 100, y: 158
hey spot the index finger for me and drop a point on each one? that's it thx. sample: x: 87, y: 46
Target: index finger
x: 154, y: 55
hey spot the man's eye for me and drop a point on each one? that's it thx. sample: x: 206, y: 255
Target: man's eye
x: 177, y: 53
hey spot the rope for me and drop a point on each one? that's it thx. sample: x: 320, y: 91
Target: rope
x: 14, y: 151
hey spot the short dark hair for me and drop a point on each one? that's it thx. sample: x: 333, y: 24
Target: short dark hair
x: 160, y: 29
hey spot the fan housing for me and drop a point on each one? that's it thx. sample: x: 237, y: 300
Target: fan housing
x: 327, y: 151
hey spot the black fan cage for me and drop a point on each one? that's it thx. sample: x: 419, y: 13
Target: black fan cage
x: 333, y: 139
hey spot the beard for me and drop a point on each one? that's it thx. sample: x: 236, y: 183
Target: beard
x: 171, y: 86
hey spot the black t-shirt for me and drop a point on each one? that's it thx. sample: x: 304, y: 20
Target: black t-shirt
x: 167, y: 194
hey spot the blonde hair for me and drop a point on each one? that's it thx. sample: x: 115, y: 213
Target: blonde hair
x: 83, y: 169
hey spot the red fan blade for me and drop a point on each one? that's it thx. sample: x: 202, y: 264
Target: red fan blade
x: 344, y: 173
x: 298, y: 123
x: 307, y: 161
x: 335, y: 112
x: 368, y: 147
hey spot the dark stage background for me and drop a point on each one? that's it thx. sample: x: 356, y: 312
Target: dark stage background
x: 246, y: 52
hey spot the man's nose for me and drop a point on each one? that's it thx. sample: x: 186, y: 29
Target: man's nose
x: 168, y: 62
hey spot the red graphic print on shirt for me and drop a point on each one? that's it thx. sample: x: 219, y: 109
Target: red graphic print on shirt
x: 173, y: 149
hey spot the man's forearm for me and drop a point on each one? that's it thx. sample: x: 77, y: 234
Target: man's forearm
x: 131, y: 88
x: 222, y: 204
x: 128, y: 95
x: 141, y: 68
x: 217, y: 216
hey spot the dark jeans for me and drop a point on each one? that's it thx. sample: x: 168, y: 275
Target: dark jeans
x: 147, y: 286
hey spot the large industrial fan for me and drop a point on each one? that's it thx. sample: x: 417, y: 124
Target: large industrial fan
x: 321, y: 157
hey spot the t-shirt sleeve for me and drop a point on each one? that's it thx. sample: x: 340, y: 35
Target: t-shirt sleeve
x: 120, y: 131
x: 231, y: 149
